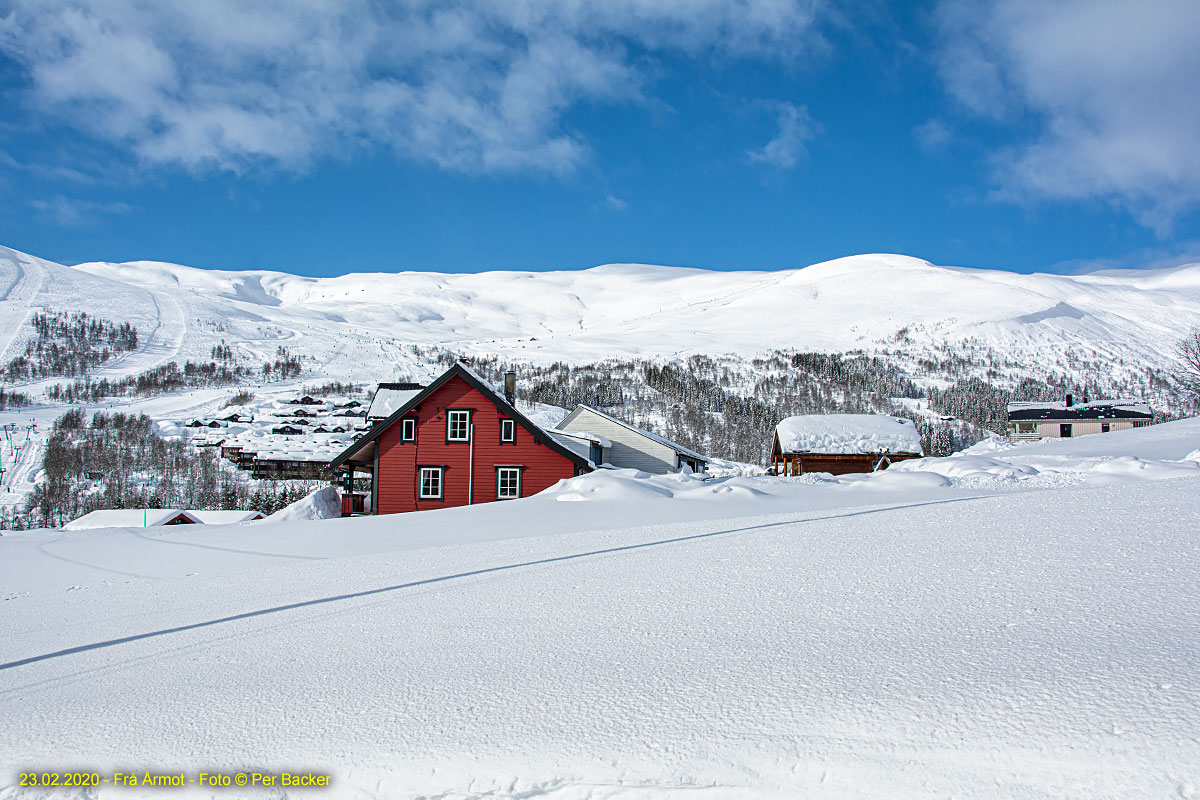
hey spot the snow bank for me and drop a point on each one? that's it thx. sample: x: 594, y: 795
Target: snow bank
x: 720, y: 468
x: 631, y: 486
x: 322, y: 504
x: 848, y: 433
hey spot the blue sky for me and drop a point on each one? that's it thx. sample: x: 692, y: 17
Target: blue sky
x: 328, y: 137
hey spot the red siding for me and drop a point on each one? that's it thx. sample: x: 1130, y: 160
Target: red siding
x: 396, y: 478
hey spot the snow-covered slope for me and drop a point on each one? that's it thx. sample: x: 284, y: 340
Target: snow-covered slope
x: 355, y: 325
x: 995, y: 625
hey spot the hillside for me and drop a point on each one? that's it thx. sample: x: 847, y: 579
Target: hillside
x: 711, y: 358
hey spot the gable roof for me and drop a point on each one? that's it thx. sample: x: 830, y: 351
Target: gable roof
x: 1097, y: 409
x: 225, y: 517
x: 390, y: 396
x: 846, y: 434
x: 479, y: 384
x: 678, y: 448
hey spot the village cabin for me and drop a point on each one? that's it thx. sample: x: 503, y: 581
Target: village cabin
x: 1068, y: 419
x: 842, y: 443
x: 455, y: 442
x: 132, y: 518
x: 606, y: 440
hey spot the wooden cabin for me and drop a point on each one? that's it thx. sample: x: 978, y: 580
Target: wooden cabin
x: 456, y: 442
x: 842, y: 443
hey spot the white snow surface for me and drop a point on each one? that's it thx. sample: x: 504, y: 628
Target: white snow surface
x: 847, y: 433
x: 991, y: 625
x: 324, y: 503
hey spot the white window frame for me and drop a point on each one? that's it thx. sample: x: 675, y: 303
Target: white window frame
x: 465, y: 418
x: 500, y: 473
x: 408, y: 429
x: 440, y: 473
x: 509, y: 427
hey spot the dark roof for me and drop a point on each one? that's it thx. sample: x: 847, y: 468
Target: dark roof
x: 402, y: 386
x: 477, y: 383
x: 1023, y: 412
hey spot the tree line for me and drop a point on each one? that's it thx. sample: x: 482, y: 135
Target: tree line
x: 69, y: 344
x: 120, y: 461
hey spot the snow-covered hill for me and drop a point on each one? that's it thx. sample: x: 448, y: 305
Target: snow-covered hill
x: 355, y: 326
x: 1010, y: 623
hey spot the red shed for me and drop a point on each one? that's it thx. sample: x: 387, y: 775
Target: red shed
x: 454, y: 443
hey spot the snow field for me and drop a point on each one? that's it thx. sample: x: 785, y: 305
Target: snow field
x: 884, y: 636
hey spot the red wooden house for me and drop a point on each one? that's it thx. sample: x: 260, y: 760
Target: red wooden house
x: 456, y: 442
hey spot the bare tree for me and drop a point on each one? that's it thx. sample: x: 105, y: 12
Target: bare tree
x: 1189, y: 354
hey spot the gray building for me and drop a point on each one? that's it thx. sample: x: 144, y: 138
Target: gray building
x: 593, y: 433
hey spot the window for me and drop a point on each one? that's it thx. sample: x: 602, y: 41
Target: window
x: 1105, y: 427
x: 1064, y: 430
x: 430, y: 486
x: 408, y: 429
x: 458, y: 426
x: 508, y: 483
x: 508, y: 431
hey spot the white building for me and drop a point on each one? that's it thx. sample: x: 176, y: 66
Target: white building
x: 1068, y: 419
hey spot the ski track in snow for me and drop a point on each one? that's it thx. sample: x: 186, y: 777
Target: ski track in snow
x: 162, y: 344
x: 15, y: 304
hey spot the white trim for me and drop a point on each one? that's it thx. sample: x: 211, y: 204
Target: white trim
x: 451, y: 417
x: 500, y: 473
x: 440, y: 472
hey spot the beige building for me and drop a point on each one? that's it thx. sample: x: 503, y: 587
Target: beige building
x: 1068, y: 419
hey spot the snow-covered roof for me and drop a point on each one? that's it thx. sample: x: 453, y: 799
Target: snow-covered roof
x: 225, y: 517
x: 1096, y: 409
x: 678, y: 448
x: 127, y: 518
x: 847, y: 434
x: 587, y: 437
x: 579, y: 447
x: 387, y: 400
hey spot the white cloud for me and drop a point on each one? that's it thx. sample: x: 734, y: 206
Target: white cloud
x: 1174, y: 255
x: 795, y: 128
x: 614, y: 203
x: 76, y: 213
x: 1109, y: 86
x: 931, y: 135
x: 481, y: 86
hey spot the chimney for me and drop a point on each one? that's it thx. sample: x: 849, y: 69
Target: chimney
x: 510, y: 387
x: 1070, y: 400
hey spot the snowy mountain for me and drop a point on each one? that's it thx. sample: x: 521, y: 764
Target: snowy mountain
x: 357, y: 326
x: 1114, y: 331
